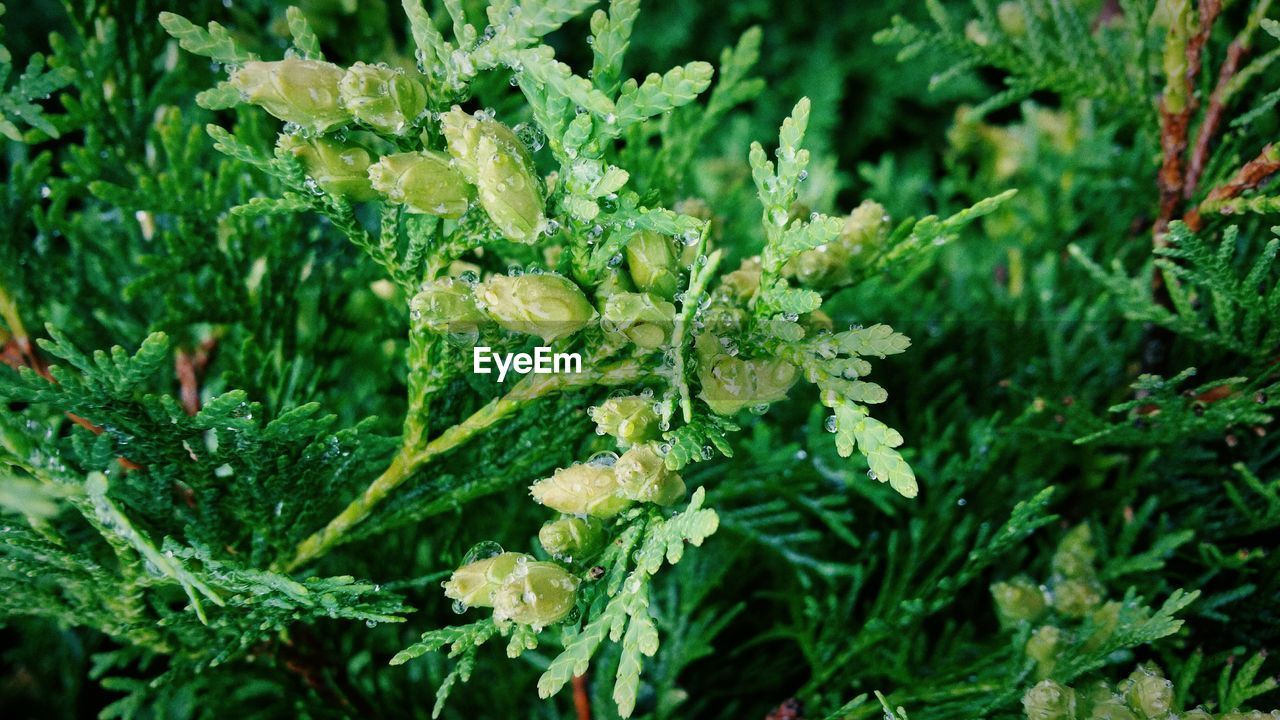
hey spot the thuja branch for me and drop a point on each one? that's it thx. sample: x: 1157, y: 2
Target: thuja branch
x: 411, y: 457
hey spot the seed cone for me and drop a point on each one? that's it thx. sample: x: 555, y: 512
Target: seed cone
x: 386, y: 99
x: 339, y: 168
x: 475, y: 583
x: 548, y: 306
x: 424, y: 182
x: 490, y: 156
x: 730, y: 384
x: 630, y: 419
x: 571, y: 537
x: 641, y: 318
x: 446, y: 305
x: 303, y: 92
x: 644, y: 477
x: 583, y: 489
x: 651, y: 260
x: 535, y: 593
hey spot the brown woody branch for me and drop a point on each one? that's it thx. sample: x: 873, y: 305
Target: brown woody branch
x: 1173, y: 143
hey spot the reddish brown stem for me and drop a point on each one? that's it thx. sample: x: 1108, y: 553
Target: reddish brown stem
x: 1209, y: 10
x: 1212, y: 117
x: 190, y: 368
x: 581, y: 701
x: 1249, y: 176
x: 1173, y: 142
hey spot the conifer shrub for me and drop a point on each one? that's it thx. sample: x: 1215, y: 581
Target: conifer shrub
x: 559, y: 358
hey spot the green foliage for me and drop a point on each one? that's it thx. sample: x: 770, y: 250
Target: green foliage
x: 18, y: 102
x: 263, y: 494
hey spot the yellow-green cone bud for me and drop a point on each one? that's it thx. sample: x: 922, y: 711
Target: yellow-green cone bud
x: 1012, y: 18
x: 630, y: 419
x: 509, y: 191
x: 1076, y: 598
x: 644, y: 477
x: 302, y: 92
x: 490, y: 156
x: 1104, y: 620
x: 1042, y: 647
x: 1075, y: 555
x: 1049, y: 700
x: 651, y: 260
x: 571, y: 537
x: 822, y: 267
x: 742, y: 283
x: 585, y: 489
x: 446, y: 305
x: 424, y: 182
x: 384, y: 98
x: 614, y: 282
x: 1018, y: 600
x: 475, y: 583
x: 548, y: 306
x: 338, y: 168
x: 865, y: 230
x: 730, y: 384
x: 535, y: 593
x: 643, y: 319
x: 1148, y: 693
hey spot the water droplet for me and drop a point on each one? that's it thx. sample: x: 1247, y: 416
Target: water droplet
x: 604, y: 458
x: 531, y: 135
x: 482, y: 551
x: 830, y: 424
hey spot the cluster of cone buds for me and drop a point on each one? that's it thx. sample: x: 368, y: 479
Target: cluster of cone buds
x: 1145, y: 695
x: 517, y: 587
x: 485, y: 161
x: 524, y: 590
x: 318, y: 96
x: 634, y: 308
x: 543, y: 304
x: 609, y: 484
x: 1074, y: 590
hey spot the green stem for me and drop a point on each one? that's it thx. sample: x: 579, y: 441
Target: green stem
x: 409, y: 458
x: 689, y: 309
